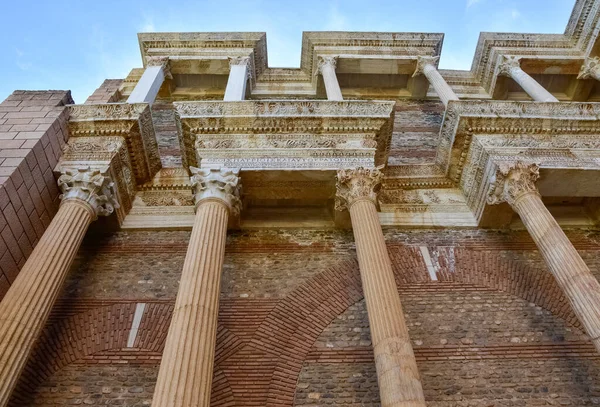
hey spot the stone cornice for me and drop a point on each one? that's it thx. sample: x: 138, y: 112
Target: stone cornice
x: 286, y: 134
x: 133, y: 122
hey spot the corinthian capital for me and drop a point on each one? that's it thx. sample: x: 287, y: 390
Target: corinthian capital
x: 512, y: 181
x: 91, y: 187
x: 507, y: 64
x: 222, y: 184
x: 324, y: 61
x: 423, y: 61
x: 590, y: 68
x: 162, y: 62
x: 355, y: 185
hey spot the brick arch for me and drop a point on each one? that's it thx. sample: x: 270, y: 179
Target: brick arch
x: 107, y: 328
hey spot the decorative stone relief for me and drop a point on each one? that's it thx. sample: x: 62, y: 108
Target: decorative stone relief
x: 223, y: 184
x: 423, y: 61
x: 91, y: 187
x: 513, y: 180
x: 357, y: 184
x: 590, y: 68
x: 162, y: 62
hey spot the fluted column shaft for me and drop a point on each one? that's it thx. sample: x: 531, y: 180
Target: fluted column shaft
x: 426, y: 66
x: 515, y: 183
x: 570, y: 271
x: 186, y: 370
x: 397, y: 372
x: 327, y: 67
x: 27, y: 304
x: 511, y: 67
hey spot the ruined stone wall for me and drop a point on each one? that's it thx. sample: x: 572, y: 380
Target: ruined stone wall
x: 108, y: 92
x: 293, y: 328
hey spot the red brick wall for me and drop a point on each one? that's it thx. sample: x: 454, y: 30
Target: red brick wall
x: 108, y: 92
x: 293, y: 328
x: 32, y: 134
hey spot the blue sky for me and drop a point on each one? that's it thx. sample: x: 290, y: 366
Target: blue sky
x: 77, y: 44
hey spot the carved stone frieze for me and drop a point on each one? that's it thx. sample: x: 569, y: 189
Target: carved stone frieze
x: 164, y: 198
x: 91, y: 187
x: 133, y: 122
x: 285, y: 134
x: 512, y: 181
x: 357, y: 184
x: 222, y: 184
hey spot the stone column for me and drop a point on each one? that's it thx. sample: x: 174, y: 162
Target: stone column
x: 515, y: 184
x: 186, y: 371
x: 239, y: 74
x: 157, y: 69
x: 25, y: 308
x: 427, y: 67
x: 397, y: 373
x: 590, y: 69
x: 511, y: 67
x: 326, y: 68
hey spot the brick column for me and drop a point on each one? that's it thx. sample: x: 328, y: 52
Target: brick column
x: 239, y: 74
x: 397, y: 372
x: 590, y: 69
x: 511, y: 67
x: 186, y: 370
x: 326, y: 68
x: 27, y: 304
x: 427, y: 67
x: 515, y: 184
x: 157, y: 69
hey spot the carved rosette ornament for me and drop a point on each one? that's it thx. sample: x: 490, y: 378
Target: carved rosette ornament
x: 513, y: 181
x: 326, y: 61
x: 357, y: 184
x: 91, y: 187
x: 163, y: 62
x: 507, y: 64
x: 423, y: 62
x: 590, y: 69
x: 218, y: 184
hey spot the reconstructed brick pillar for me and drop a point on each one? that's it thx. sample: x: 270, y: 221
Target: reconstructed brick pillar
x: 397, y: 372
x: 33, y: 132
x: 326, y: 68
x: 515, y: 184
x: 108, y: 92
x: 25, y: 308
x: 186, y: 370
x: 511, y: 67
x: 427, y: 67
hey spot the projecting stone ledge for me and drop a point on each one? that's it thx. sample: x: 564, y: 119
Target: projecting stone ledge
x: 304, y: 134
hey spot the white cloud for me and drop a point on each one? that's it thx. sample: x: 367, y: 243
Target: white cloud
x: 148, y: 25
x: 472, y: 2
x: 336, y: 20
x: 515, y: 14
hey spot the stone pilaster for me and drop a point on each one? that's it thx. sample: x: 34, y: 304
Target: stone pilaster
x: 25, y: 308
x: 427, y: 67
x: 511, y: 67
x: 397, y: 372
x: 239, y: 74
x: 186, y: 370
x: 326, y: 67
x: 590, y: 69
x: 157, y: 69
x: 515, y: 184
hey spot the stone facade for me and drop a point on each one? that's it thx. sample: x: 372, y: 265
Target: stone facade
x: 367, y: 230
